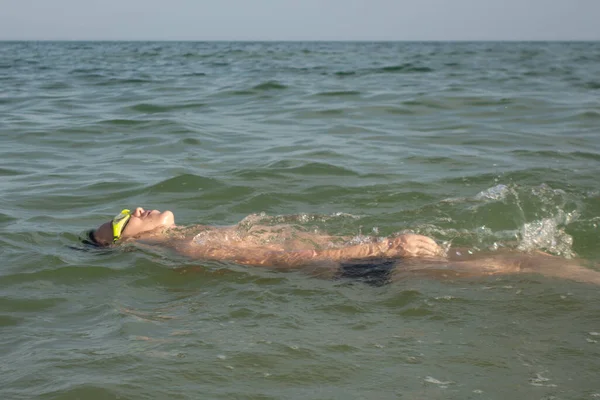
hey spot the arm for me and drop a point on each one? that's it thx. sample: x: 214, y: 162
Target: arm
x: 402, y: 246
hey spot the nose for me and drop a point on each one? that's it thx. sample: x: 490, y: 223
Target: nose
x: 138, y: 212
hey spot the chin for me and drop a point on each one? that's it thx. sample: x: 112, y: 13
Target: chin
x: 167, y: 217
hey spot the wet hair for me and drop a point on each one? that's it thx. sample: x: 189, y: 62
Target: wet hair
x: 89, y: 240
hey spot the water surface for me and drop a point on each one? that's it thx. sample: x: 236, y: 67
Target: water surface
x: 481, y: 144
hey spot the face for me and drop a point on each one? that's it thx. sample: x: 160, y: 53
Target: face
x: 141, y: 221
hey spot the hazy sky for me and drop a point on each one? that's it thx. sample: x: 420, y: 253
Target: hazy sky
x: 300, y: 19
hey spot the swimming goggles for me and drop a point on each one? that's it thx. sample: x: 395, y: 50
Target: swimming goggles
x: 119, y: 223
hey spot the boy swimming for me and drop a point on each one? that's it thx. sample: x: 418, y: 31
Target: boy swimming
x: 285, y: 247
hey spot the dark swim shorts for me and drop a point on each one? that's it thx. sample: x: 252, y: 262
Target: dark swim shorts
x: 376, y: 272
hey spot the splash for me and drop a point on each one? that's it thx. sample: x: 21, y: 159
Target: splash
x: 498, y: 192
x: 546, y: 235
x: 539, y: 217
x: 430, y: 379
x: 548, y: 208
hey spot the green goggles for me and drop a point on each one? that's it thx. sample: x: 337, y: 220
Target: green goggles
x: 119, y: 223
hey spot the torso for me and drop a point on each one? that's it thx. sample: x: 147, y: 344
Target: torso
x: 274, y: 238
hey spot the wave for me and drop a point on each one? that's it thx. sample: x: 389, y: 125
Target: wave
x: 270, y: 85
x: 184, y: 181
x: 310, y: 168
x: 341, y: 93
x: 406, y: 68
x: 345, y: 73
x: 593, y: 115
x: 150, y: 108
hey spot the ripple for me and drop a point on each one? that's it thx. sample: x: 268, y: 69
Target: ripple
x: 238, y: 93
x: 345, y: 93
x: 189, y: 181
x: 11, y: 172
x: 593, y: 115
x: 55, y: 86
x: 587, y: 155
x: 594, y: 85
x: 124, y: 81
x: 155, y: 108
x: 312, y: 168
x: 345, y: 73
x: 321, y: 113
x: 270, y: 85
x: 404, y: 68
x: 7, y: 321
x: 123, y: 122
x: 428, y: 103
x: 85, y: 391
x: 29, y: 305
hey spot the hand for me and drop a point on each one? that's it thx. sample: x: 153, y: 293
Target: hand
x: 412, y: 245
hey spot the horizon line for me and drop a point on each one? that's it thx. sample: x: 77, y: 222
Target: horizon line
x: 303, y: 40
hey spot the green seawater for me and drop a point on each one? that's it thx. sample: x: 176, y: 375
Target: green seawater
x: 482, y: 145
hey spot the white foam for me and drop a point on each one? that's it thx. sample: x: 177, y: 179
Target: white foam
x: 497, y: 192
x: 431, y: 379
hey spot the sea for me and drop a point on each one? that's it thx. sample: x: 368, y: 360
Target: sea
x: 484, y: 145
